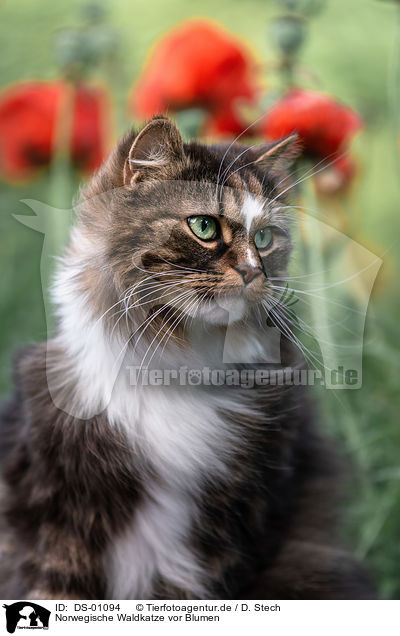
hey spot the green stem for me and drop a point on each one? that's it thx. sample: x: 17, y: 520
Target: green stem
x: 316, y: 262
x: 62, y: 184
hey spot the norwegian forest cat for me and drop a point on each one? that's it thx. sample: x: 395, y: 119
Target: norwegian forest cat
x: 120, y: 488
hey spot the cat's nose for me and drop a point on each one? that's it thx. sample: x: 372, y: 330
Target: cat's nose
x: 248, y: 272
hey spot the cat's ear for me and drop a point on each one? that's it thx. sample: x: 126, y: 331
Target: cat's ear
x: 279, y: 155
x: 155, y: 148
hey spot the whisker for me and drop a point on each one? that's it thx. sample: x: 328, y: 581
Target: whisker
x: 234, y: 161
x: 234, y: 172
x: 305, y: 327
x: 289, y: 278
x: 309, y: 170
x: 174, y: 313
x: 182, y: 267
x: 160, y: 287
x: 171, y: 327
x: 308, y: 176
x: 307, y: 353
x: 144, y: 325
x: 326, y: 299
x: 151, y: 290
x: 230, y: 146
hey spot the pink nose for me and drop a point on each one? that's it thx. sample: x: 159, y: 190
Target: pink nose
x: 248, y: 272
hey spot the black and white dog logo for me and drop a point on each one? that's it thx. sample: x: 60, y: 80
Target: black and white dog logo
x: 26, y: 615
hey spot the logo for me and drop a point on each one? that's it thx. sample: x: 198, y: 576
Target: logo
x: 26, y: 615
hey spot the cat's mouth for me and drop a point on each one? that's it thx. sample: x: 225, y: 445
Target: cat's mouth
x: 223, y: 308
x: 250, y: 294
x: 216, y: 306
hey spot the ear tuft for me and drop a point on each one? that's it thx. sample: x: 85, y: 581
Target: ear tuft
x: 155, y: 147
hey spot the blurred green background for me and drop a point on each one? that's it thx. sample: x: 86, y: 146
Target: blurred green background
x: 351, y: 52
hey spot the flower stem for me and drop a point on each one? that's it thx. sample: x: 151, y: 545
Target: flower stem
x: 62, y: 185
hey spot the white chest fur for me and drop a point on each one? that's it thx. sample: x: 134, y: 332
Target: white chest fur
x: 184, y: 437
x: 178, y: 429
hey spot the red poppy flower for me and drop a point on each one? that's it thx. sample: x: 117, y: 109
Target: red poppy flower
x: 225, y: 122
x: 29, y: 115
x: 324, y: 125
x: 196, y: 64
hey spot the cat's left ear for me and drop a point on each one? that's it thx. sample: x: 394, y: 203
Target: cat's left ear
x: 279, y: 155
x: 155, y: 148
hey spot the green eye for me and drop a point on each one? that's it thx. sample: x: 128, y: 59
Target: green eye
x: 204, y: 227
x: 263, y: 238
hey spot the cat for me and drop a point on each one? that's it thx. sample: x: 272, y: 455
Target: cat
x: 118, y: 489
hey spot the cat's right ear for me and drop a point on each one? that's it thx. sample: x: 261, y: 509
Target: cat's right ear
x: 154, y: 149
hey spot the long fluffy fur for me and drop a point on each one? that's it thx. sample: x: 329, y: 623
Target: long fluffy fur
x: 176, y: 492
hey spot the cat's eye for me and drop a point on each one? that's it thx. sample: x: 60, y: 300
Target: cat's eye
x: 263, y: 238
x: 204, y: 227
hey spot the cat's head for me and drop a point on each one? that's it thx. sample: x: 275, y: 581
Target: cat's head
x: 176, y: 231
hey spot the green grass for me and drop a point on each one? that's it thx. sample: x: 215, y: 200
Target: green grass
x: 348, y: 51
